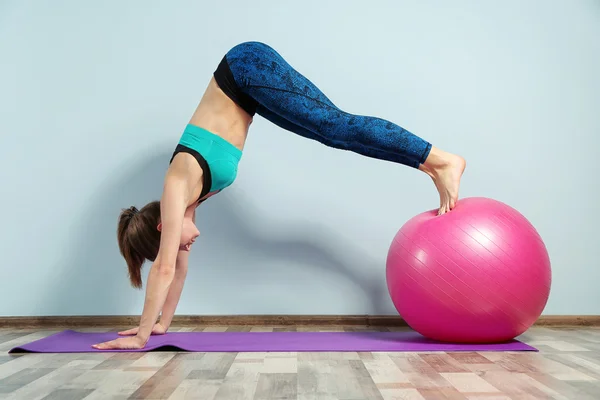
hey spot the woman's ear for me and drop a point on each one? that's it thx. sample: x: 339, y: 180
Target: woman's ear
x: 159, y: 227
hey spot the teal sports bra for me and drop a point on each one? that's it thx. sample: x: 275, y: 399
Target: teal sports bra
x: 217, y: 157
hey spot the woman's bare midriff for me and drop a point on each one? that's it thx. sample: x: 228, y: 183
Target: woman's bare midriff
x: 218, y: 114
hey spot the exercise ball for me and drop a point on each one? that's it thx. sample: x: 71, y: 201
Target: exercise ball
x: 477, y: 274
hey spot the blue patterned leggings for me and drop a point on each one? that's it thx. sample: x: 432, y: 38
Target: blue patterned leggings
x: 266, y: 84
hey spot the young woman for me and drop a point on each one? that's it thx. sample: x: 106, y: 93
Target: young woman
x: 251, y: 79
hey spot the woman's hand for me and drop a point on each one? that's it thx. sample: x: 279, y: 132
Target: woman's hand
x: 158, y: 329
x: 126, y: 343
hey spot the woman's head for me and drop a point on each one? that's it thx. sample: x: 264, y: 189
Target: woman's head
x: 138, y: 235
x: 139, y: 238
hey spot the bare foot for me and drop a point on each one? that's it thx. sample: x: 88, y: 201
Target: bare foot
x: 445, y: 169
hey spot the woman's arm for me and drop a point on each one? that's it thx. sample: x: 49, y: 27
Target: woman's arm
x: 168, y: 310
x: 177, y: 192
x: 174, y: 201
x: 181, y: 268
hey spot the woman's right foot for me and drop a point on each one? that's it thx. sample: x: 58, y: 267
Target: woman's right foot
x: 446, y: 170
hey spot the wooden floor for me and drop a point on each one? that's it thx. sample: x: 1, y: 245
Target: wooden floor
x: 567, y: 367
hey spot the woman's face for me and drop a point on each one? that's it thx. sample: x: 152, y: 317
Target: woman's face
x: 189, y: 233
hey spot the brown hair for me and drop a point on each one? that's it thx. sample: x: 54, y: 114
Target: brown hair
x: 139, y: 238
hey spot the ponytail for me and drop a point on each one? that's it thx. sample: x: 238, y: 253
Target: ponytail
x: 138, y: 238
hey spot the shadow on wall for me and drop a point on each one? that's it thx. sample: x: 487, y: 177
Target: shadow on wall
x: 93, y: 278
x: 251, y: 247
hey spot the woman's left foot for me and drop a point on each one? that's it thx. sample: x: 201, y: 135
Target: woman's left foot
x: 446, y: 170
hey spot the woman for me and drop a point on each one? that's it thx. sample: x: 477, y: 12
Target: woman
x: 251, y: 79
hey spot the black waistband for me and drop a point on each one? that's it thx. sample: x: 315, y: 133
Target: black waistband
x: 227, y: 83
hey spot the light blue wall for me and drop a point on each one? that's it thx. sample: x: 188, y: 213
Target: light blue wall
x: 94, y: 96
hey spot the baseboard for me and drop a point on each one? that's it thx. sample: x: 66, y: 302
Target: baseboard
x: 568, y: 320
x: 255, y: 320
x: 202, y: 320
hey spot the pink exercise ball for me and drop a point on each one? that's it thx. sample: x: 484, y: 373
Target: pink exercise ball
x: 478, y: 274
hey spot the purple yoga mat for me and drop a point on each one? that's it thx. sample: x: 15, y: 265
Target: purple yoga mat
x: 80, y: 342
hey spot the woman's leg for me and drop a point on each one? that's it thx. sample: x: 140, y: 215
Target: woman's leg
x: 292, y: 101
x: 266, y: 77
x: 290, y: 126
